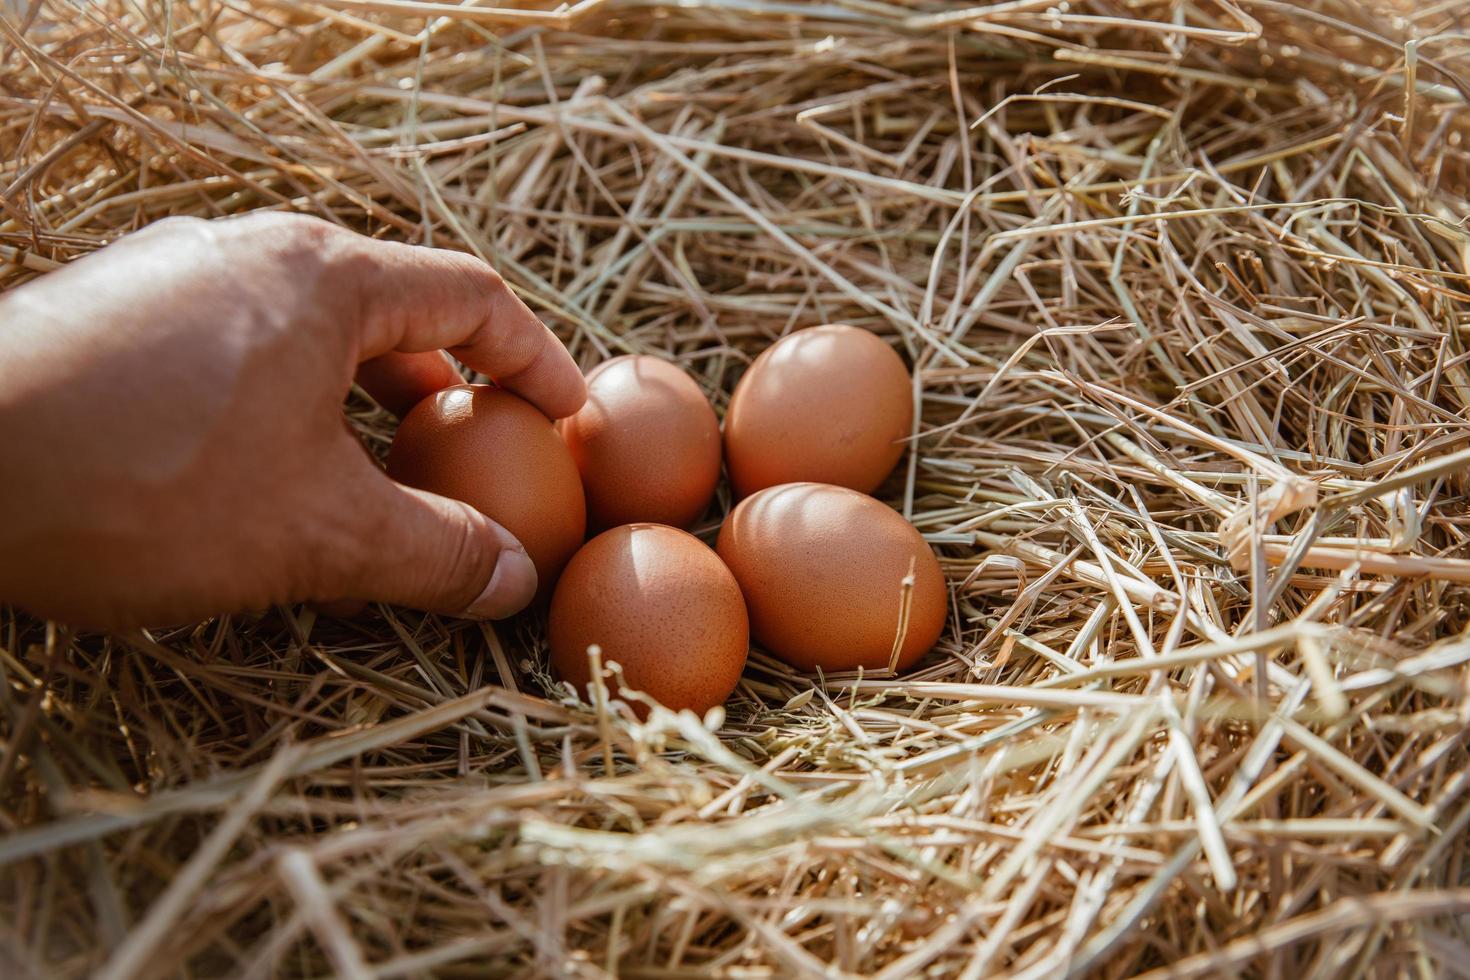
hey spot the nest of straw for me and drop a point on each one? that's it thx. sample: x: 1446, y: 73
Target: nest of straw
x: 1184, y: 286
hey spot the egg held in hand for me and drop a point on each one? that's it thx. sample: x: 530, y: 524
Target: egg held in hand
x: 500, y: 455
x: 822, y: 571
x: 646, y: 442
x: 662, y: 605
x: 829, y: 404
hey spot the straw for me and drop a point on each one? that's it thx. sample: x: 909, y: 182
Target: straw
x: 1185, y: 289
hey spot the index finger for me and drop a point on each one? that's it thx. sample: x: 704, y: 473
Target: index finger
x: 414, y: 299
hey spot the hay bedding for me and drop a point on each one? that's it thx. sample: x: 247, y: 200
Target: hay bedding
x: 1185, y: 288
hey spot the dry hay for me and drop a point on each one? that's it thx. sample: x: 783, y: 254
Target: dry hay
x: 1185, y: 286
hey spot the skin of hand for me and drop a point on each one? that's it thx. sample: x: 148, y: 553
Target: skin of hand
x: 172, y: 443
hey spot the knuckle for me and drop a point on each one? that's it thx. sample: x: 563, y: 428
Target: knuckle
x: 481, y: 278
x: 282, y: 223
x: 438, y: 563
x: 309, y: 231
x: 348, y: 258
x: 458, y: 277
x: 309, y: 257
x: 521, y: 353
x: 337, y: 551
x: 177, y: 223
x: 463, y: 559
x: 303, y: 244
x: 177, y: 228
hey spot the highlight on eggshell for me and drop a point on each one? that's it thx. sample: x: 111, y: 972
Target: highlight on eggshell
x: 822, y: 569
x: 661, y: 604
x: 830, y: 404
x: 646, y: 442
x: 499, y: 454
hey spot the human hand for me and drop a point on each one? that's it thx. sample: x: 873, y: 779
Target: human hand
x: 171, y: 435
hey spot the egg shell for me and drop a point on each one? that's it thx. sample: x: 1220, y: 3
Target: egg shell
x: 822, y: 569
x: 829, y: 404
x: 500, y: 455
x: 660, y: 603
x: 646, y: 442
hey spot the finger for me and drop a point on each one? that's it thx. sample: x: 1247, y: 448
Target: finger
x: 416, y: 299
x: 437, y: 554
x: 399, y: 381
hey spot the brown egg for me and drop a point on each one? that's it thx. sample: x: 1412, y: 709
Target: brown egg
x: 822, y: 570
x: 826, y: 405
x: 647, y: 443
x: 660, y: 603
x: 500, y: 455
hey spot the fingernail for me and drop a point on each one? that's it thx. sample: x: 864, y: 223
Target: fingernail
x: 511, y: 589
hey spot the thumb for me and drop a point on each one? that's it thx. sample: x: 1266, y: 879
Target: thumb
x: 438, y: 554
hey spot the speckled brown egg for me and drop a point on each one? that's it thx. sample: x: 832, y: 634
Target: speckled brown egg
x: 647, y: 444
x: 498, y: 454
x: 822, y: 571
x: 830, y: 404
x: 661, y: 604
